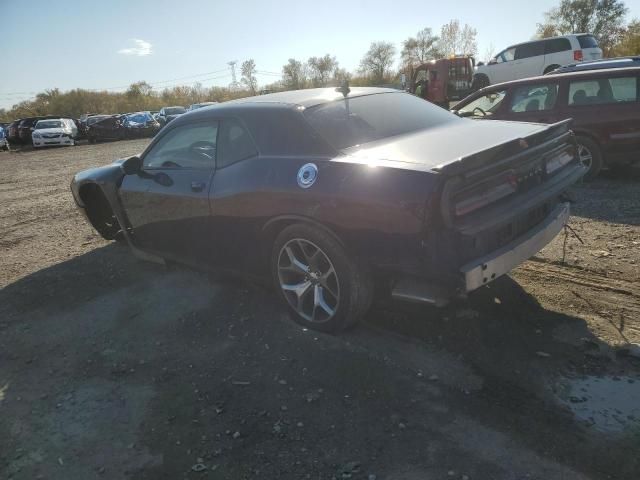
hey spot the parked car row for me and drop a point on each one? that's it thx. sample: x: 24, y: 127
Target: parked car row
x: 91, y: 126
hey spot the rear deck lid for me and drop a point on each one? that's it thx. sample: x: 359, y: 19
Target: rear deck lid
x: 446, y: 147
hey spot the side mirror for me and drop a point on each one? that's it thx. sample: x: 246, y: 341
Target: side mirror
x: 131, y: 165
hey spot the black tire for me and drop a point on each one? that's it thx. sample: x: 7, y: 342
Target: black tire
x: 351, y: 281
x: 479, y: 82
x: 588, y: 146
x: 550, y: 68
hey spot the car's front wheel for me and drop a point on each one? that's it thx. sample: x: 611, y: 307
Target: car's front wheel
x: 323, y: 287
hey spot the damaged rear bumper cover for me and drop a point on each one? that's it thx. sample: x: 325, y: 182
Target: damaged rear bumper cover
x: 483, y: 270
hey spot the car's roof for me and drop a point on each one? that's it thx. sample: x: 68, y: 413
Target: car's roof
x: 311, y: 97
x: 549, y: 38
x: 549, y: 78
x: 619, y: 62
x: 289, y: 99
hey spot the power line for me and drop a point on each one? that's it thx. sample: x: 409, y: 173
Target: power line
x: 6, y: 94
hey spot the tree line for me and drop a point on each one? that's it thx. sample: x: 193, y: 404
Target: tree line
x: 603, y: 18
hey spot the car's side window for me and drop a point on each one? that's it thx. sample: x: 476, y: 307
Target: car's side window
x: 483, y: 106
x: 624, y: 89
x: 556, y: 45
x: 187, y: 146
x: 235, y: 143
x: 528, y: 50
x: 534, y: 98
x: 603, y: 90
x: 506, y: 56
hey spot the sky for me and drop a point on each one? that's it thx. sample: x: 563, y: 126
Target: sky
x: 109, y: 45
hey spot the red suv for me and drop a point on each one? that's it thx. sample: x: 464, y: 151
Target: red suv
x: 604, y: 106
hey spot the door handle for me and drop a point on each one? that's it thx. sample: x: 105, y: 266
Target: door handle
x: 197, y: 186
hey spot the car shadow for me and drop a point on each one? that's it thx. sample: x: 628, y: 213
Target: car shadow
x: 203, y: 357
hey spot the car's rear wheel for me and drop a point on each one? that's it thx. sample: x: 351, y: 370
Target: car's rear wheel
x: 590, y: 156
x: 322, y: 286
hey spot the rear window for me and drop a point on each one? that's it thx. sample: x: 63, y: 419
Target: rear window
x: 588, y: 41
x: 355, y: 121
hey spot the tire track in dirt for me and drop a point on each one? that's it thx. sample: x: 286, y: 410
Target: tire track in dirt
x: 610, y: 301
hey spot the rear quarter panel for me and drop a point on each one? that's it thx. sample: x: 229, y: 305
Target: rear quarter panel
x: 377, y: 212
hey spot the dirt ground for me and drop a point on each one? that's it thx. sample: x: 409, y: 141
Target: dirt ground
x: 113, y: 368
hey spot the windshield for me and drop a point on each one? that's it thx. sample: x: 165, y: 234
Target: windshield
x: 355, y: 121
x: 49, y: 124
x: 174, y: 111
x: 92, y: 120
x: 483, y: 106
x: 141, y: 117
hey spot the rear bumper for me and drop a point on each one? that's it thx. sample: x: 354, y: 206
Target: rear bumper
x: 483, y: 270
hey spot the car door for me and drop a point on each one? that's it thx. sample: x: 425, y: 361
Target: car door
x: 557, y: 51
x: 167, y: 203
x: 607, y: 106
x: 528, y: 60
x: 501, y: 68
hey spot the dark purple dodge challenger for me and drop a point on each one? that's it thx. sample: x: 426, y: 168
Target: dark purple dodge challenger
x: 332, y: 192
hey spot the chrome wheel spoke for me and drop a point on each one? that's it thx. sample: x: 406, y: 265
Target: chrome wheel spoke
x: 300, y: 290
x: 324, y: 281
x: 294, y: 263
x: 585, y: 156
x: 319, y: 301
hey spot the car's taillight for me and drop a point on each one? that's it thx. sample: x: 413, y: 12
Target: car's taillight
x: 577, y: 55
x: 482, y: 196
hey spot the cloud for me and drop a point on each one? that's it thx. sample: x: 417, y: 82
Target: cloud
x: 141, y: 48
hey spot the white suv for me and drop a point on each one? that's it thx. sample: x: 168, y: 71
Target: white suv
x: 536, y: 58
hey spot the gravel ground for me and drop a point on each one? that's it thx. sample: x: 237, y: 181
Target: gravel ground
x: 114, y: 368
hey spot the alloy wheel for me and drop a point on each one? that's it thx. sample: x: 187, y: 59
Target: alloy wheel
x: 308, y: 280
x: 585, y: 156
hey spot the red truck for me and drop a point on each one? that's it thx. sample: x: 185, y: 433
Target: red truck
x: 444, y: 80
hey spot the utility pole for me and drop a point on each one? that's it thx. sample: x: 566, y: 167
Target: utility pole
x: 234, y: 86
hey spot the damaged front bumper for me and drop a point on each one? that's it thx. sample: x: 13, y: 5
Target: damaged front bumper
x: 483, y: 270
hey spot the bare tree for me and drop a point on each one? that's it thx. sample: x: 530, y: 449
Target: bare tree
x: 450, y: 38
x: 489, y: 52
x: 458, y: 41
x: 340, y: 75
x: 603, y: 18
x: 419, y: 49
x: 468, y: 42
x: 248, y: 72
x: 378, y: 61
x: 294, y: 75
x: 321, y: 69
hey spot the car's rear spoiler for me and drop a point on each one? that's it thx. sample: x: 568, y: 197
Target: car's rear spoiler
x: 496, y: 157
